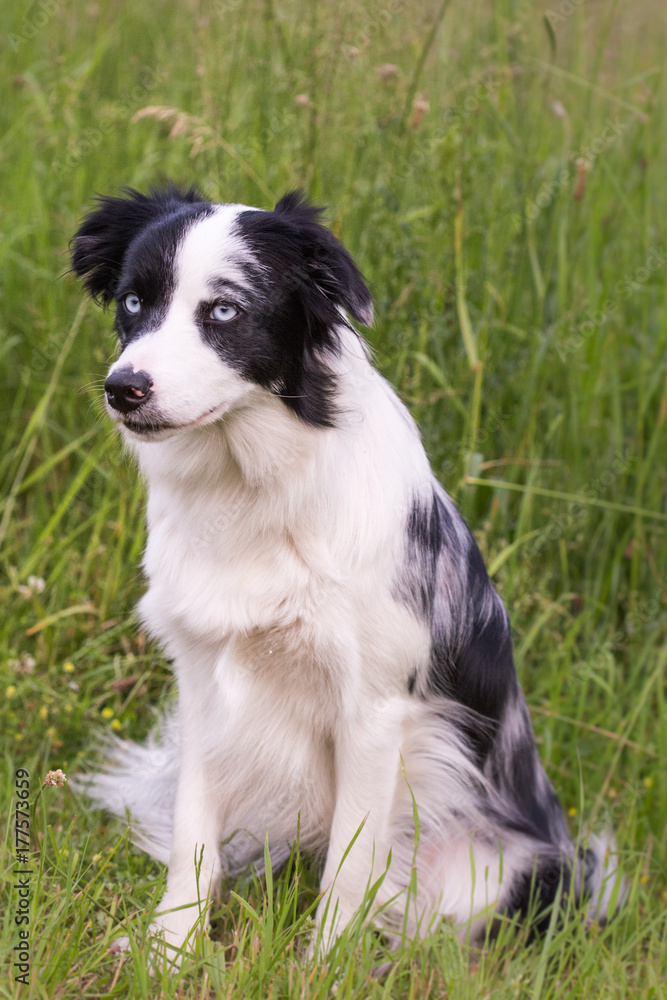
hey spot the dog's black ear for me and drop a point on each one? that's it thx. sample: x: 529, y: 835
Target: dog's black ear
x: 99, y: 247
x: 333, y: 279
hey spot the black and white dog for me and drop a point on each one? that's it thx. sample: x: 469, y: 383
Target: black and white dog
x: 338, y: 646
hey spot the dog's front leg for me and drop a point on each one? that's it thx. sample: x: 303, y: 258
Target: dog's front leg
x: 367, y: 757
x: 194, y: 860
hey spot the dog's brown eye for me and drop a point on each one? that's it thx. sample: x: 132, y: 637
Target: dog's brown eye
x: 223, y: 312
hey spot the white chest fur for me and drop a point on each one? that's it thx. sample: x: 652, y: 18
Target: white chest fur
x: 274, y: 540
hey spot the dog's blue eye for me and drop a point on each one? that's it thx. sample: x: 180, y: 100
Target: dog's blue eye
x: 223, y: 312
x: 132, y: 303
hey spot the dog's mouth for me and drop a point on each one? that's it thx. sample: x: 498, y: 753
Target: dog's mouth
x: 152, y: 430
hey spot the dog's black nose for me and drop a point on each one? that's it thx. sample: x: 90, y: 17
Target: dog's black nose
x: 127, y: 390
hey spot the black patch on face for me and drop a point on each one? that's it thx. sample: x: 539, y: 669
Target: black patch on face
x: 132, y: 241
x: 302, y: 278
x: 148, y: 271
x: 286, y: 327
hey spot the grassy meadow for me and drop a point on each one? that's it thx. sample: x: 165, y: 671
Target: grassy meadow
x: 498, y: 171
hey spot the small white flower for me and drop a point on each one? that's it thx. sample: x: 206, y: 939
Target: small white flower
x: 55, y: 778
x: 34, y: 585
x: 386, y: 71
x: 24, y: 665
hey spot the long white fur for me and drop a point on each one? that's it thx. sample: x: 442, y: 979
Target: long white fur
x: 271, y: 555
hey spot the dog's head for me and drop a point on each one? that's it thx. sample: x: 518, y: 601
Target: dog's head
x: 217, y: 304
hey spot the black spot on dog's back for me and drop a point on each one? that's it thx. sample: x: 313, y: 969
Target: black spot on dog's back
x: 444, y: 580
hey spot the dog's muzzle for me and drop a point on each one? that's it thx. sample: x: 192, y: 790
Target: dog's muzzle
x: 127, y: 390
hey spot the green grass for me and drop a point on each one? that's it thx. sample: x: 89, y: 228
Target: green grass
x: 521, y: 313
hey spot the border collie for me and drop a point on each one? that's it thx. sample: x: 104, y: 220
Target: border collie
x: 343, y: 661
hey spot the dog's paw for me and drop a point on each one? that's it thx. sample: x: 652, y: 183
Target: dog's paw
x: 168, y: 946
x: 331, y: 919
x: 173, y: 934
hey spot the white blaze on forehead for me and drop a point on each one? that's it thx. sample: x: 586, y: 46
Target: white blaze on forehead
x: 190, y: 382
x: 212, y: 250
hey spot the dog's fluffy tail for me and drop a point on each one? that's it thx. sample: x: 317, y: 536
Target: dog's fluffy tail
x: 604, y: 886
x: 139, y: 784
